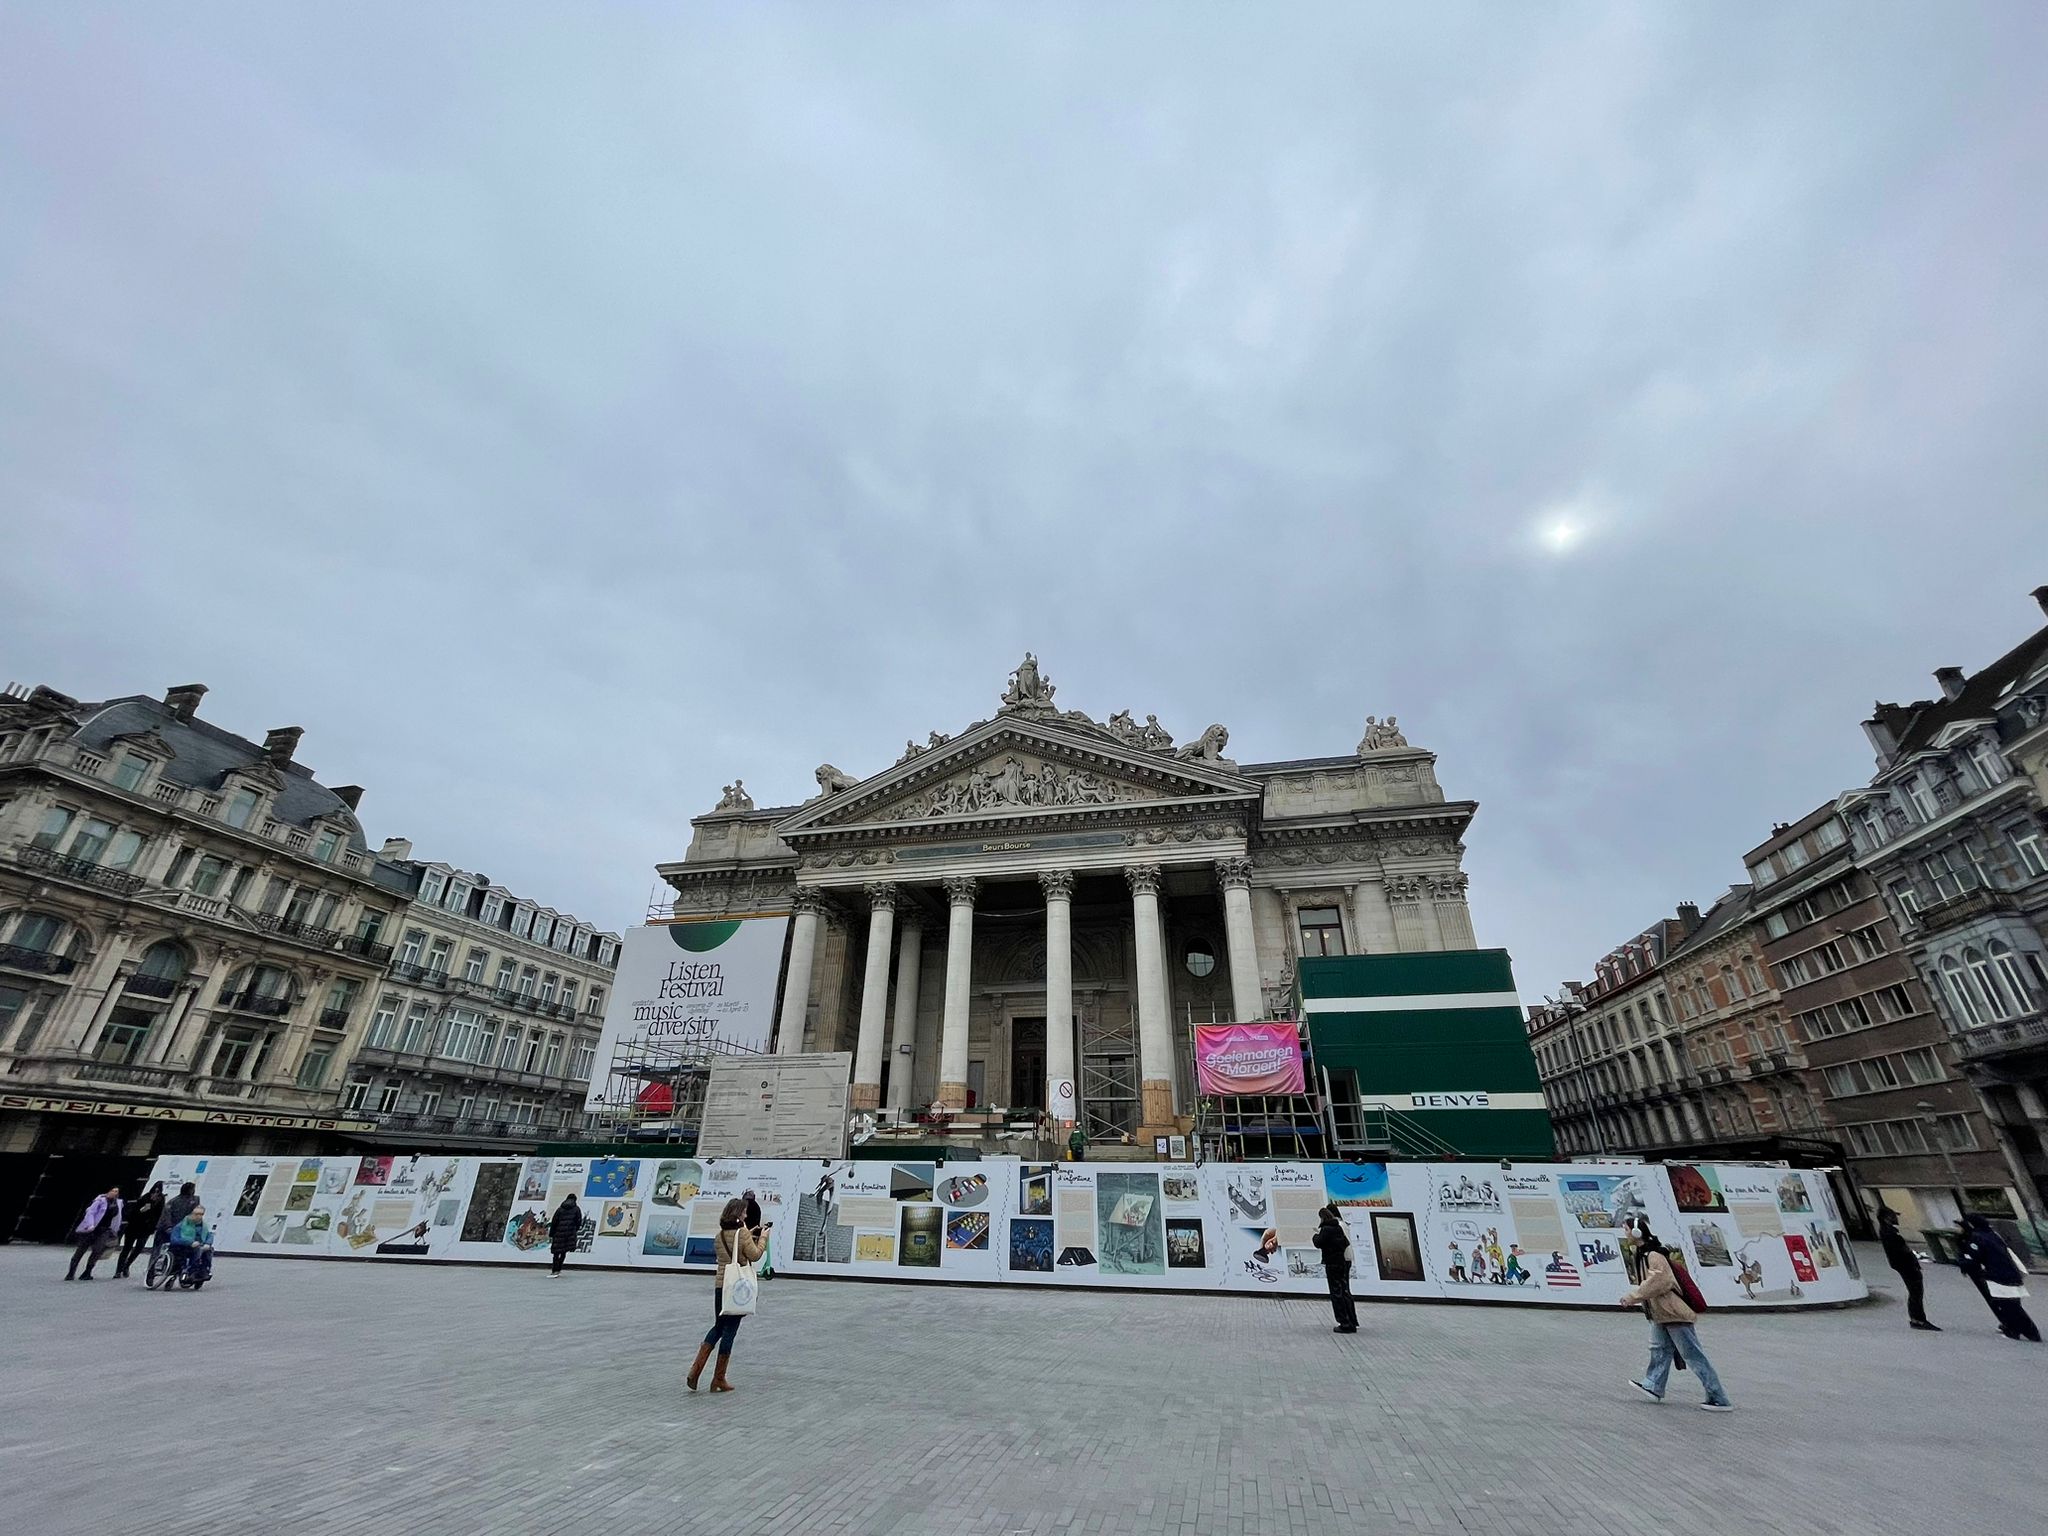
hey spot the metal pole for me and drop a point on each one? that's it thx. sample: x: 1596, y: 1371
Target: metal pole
x: 1926, y: 1112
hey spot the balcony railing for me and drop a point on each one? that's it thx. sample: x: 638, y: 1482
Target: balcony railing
x: 1960, y: 909
x: 121, y: 1072
x: 2028, y: 1034
x: 368, y: 949
x: 292, y: 928
x: 41, y: 961
x: 153, y: 986
x: 420, y: 975
x: 225, y: 1087
x: 255, y: 1002
x: 84, y: 871
x: 334, y: 1018
x: 197, y: 903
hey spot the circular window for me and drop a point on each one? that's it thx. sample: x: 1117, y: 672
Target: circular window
x: 1201, y: 959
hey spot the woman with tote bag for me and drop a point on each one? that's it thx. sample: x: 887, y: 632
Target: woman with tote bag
x: 735, y: 1292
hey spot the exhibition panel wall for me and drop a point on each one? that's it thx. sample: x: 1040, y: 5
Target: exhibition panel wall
x: 1539, y: 1233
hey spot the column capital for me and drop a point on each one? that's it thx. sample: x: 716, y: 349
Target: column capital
x: 1058, y: 884
x: 1234, y: 874
x: 807, y: 900
x: 961, y: 889
x: 1143, y: 879
x: 881, y: 894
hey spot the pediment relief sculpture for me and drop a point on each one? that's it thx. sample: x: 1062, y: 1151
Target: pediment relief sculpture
x: 1012, y: 783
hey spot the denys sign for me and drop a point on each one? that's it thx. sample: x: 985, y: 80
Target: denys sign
x: 1479, y: 1099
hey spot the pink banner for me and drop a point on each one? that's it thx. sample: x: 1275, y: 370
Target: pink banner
x: 1248, y: 1058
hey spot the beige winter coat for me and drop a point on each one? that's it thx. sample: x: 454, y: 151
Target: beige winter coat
x: 1660, y: 1290
x: 751, y: 1248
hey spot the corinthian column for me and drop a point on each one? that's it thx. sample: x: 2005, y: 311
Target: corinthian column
x: 959, y: 964
x: 1155, y: 1029
x: 1058, y: 885
x: 796, y: 982
x: 874, y: 997
x: 1236, y: 875
x: 903, y: 1035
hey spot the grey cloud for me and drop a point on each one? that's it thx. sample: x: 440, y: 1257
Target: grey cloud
x: 559, y: 415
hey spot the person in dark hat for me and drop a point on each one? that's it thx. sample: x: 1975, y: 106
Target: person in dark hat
x: 1905, y: 1264
x: 1334, y: 1244
x: 1998, y: 1276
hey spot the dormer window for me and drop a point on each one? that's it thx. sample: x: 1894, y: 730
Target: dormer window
x: 325, y: 844
x: 431, y: 885
x: 130, y: 770
x: 240, y: 808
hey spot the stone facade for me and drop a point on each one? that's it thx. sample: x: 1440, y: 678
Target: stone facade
x: 189, y: 927
x: 483, y: 1032
x: 1854, y: 1004
x: 1952, y: 830
x: 1044, y: 897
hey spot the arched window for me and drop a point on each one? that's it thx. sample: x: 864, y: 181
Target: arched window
x: 39, y: 931
x: 163, y: 961
x: 1986, y: 981
x: 1728, y: 980
x: 2007, y: 965
x: 1961, y: 995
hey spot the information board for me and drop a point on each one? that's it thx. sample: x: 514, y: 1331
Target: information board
x: 776, y: 1106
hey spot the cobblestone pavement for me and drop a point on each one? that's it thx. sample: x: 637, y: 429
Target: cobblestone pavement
x: 364, y: 1399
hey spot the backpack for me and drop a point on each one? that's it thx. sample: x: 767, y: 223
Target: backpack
x: 1688, y: 1287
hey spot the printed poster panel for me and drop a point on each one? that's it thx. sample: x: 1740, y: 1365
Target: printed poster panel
x: 689, y: 983
x: 1236, y: 1059
x: 1536, y: 1234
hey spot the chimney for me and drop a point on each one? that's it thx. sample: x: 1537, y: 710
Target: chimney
x: 350, y: 795
x: 1879, y: 730
x: 1688, y: 915
x: 280, y: 744
x: 396, y: 848
x: 2040, y: 595
x: 184, y: 699
x: 1951, y: 680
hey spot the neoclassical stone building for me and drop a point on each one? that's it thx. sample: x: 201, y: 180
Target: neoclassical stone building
x: 1048, y: 897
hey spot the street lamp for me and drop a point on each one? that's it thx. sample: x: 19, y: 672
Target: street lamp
x: 1925, y: 1111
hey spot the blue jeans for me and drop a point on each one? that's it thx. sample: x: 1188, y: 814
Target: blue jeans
x: 723, y: 1329
x: 1667, y: 1337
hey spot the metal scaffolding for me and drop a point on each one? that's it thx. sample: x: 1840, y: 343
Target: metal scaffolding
x: 654, y: 1089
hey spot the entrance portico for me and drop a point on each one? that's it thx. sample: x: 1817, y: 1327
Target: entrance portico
x: 1090, y: 880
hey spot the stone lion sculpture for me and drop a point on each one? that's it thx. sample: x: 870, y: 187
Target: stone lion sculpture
x: 831, y: 781
x: 1208, y: 748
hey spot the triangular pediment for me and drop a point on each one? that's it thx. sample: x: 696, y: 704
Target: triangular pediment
x: 1011, y: 767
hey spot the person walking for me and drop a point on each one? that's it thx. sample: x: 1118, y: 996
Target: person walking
x: 1906, y: 1265
x: 1671, y: 1328
x: 138, y: 1226
x: 563, y: 1231
x: 1998, y: 1277
x: 1077, y: 1144
x: 736, y: 1245
x: 96, y: 1232
x: 1334, y: 1243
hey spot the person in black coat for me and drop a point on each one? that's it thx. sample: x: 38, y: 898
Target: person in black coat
x: 563, y: 1232
x: 1991, y: 1266
x: 1906, y: 1265
x: 1334, y: 1243
x: 140, y: 1227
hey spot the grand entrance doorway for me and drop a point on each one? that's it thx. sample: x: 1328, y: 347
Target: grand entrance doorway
x: 1027, y: 1063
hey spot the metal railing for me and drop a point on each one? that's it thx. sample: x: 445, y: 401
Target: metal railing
x: 293, y: 928
x: 368, y: 949
x: 41, y: 961
x: 152, y: 986
x: 255, y: 1002
x: 83, y: 870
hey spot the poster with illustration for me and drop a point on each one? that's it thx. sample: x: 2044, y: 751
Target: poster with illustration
x: 1398, y: 1251
x: 1360, y: 1184
x: 1697, y: 1190
x: 611, y: 1178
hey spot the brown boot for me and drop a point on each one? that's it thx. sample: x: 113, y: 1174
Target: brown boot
x: 718, y: 1381
x: 697, y: 1366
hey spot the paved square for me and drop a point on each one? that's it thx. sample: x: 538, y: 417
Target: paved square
x: 366, y: 1399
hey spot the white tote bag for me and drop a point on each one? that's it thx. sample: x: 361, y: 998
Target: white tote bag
x: 2006, y: 1292
x: 742, y: 1286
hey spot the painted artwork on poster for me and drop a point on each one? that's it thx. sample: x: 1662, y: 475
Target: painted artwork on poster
x: 611, y: 1178
x: 1696, y: 1189
x: 1536, y: 1233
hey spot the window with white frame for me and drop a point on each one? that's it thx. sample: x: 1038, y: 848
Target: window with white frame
x: 2024, y: 838
x: 241, y: 807
x: 1951, y: 872
x: 515, y: 1039
x: 486, y: 1042
x: 437, y: 956
x: 2007, y: 967
x: 431, y: 886
x: 473, y: 969
x: 493, y: 905
x: 1962, y: 995
x: 325, y: 844
x: 508, y: 975
x: 387, y: 1095
x: 409, y: 951
x: 463, y: 1028
x: 551, y: 1063
x: 1904, y: 896
x: 1985, y: 758
x: 354, y: 1093
x: 419, y: 1027
x: 569, y: 993
x: 596, y: 1004
x: 1920, y: 797
x: 384, y: 1025
x: 548, y: 984
x: 582, y: 1059
x: 1828, y: 835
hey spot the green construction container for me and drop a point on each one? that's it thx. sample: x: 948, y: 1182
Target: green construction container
x: 1438, y: 1039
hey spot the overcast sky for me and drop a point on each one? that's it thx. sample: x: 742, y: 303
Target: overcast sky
x: 558, y: 413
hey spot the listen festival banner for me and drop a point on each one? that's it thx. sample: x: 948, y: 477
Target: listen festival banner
x: 1248, y: 1058
x: 683, y: 983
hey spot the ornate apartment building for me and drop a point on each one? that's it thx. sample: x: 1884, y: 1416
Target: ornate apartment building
x: 483, y: 1031
x: 1045, y: 895
x: 190, y: 925
x: 1952, y: 832
x: 1854, y: 1003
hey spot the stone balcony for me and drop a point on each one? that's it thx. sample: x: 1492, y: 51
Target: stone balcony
x: 2008, y: 1038
x: 1957, y: 910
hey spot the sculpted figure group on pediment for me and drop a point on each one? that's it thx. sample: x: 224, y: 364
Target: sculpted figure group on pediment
x: 1015, y: 784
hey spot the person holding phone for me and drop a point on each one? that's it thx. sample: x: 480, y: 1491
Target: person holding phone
x: 737, y: 1244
